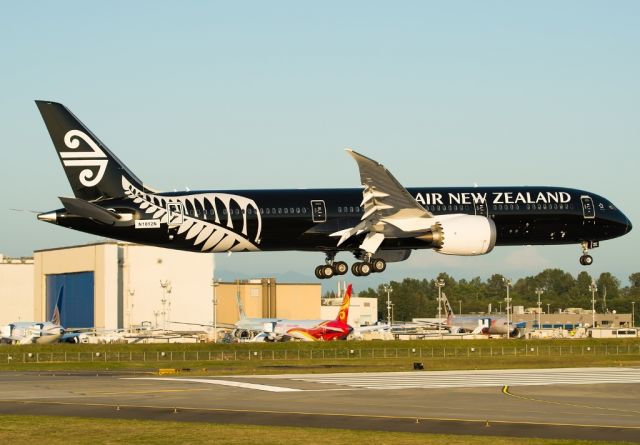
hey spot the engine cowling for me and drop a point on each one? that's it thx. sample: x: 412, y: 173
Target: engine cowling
x: 464, y: 235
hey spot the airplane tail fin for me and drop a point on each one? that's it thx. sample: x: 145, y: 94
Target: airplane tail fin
x: 241, y: 314
x: 55, y: 317
x: 93, y: 171
x: 343, y: 314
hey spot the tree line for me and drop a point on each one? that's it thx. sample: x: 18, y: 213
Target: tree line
x: 414, y: 298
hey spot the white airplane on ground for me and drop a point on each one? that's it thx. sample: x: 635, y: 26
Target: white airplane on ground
x: 41, y: 332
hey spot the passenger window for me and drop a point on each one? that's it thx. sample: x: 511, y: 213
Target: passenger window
x: 286, y: 211
x: 279, y: 210
x: 304, y: 210
x: 297, y: 210
x: 350, y: 209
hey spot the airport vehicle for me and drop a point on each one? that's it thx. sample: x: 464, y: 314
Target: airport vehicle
x: 310, y: 330
x: 379, y: 223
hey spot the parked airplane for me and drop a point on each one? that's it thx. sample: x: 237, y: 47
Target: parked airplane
x: 41, y: 332
x: 311, y: 330
x: 383, y: 222
x: 477, y: 324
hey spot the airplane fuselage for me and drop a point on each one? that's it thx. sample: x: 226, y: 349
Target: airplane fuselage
x: 274, y: 220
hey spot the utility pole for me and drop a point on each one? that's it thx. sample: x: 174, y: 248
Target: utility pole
x: 459, y: 307
x: 507, y: 283
x: 548, y: 308
x: 388, y: 289
x: 593, y: 288
x: 440, y: 285
x: 633, y: 314
x: 539, y: 292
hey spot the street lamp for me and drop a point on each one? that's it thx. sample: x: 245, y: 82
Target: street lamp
x: 131, y: 292
x: 215, y: 284
x: 539, y: 291
x: 593, y: 289
x: 388, y: 289
x: 548, y: 308
x: 633, y: 314
x: 166, y: 289
x: 507, y: 283
x: 440, y: 285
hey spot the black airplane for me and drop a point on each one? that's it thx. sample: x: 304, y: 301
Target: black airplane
x: 379, y: 223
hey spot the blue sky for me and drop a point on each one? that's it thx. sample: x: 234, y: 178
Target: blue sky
x: 241, y: 95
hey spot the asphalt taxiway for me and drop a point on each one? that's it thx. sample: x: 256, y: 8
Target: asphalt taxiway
x: 576, y: 403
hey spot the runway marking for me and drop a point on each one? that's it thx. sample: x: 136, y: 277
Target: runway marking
x: 466, y: 379
x: 221, y: 382
x: 505, y: 391
x: 305, y: 413
x: 149, y: 391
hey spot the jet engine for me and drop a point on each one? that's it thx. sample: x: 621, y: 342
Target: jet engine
x: 465, y: 235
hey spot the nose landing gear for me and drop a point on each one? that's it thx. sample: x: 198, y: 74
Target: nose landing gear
x: 586, y: 259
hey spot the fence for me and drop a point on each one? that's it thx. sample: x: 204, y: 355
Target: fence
x: 314, y: 354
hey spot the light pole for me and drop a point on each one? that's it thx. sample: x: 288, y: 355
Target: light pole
x: 388, y: 289
x: 166, y: 289
x: 633, y: 314
x: 507, y: 283
x: 539, y: 292
x: 548, y: 308
x: 440, y: 285
x: 459, y: 307
x: 132, y: 292
x: 215, y: 284
x: 593, y: 289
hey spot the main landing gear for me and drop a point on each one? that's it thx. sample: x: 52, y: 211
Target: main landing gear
x: 586, y: 259
x: 359, y: 269
x: 331, y: 267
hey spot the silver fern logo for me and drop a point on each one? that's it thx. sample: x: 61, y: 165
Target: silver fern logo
x: 210, y: 222
x: 95, y: 158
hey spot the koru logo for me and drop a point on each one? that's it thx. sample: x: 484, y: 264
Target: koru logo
x: 95, y: 158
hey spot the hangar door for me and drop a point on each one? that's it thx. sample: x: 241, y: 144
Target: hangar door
x: 73, y: 293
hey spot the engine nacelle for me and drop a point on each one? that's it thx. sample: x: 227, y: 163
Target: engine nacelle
x: 465, y: 235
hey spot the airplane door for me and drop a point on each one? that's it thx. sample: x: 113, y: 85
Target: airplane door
x: 175, y: 215
x: 318, y: 211
x: 588, y: 210
x: 481, y: 208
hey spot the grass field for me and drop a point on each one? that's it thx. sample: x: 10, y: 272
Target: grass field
x: 18, y: 430
x: 349, y: 356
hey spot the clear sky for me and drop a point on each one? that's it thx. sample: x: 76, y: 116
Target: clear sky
x: 242, y: 95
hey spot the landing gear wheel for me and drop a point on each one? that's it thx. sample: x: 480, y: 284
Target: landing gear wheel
x: 378, y: 265
x: 327, y: 271
x: 318, y: 272
x: 340, y: 268
x: 355, y: 269
x: 363, y: 269
x: 586, y: 260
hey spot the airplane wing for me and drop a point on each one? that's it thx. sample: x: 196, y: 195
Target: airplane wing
x: 389, y: 209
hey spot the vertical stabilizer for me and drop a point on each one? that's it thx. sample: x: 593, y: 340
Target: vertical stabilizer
x: 94, y: 173
x: 343, y: 314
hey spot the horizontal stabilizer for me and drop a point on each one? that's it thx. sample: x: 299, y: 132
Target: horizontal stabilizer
x: 80, y: 207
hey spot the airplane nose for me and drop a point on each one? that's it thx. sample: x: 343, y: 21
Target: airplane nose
x: 629, y: 226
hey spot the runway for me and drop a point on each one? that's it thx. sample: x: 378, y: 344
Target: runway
x: 576, y: 403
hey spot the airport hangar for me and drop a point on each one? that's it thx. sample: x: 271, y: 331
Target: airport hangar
x: 116, y: 285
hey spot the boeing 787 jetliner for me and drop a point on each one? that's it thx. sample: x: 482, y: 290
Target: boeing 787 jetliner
x: 380, y: 222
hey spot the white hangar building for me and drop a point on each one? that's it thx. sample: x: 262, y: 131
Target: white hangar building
x: 114, y: 285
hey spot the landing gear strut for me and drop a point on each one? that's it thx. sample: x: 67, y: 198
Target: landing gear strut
x: 331, y: 267
x: 586, y: 259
